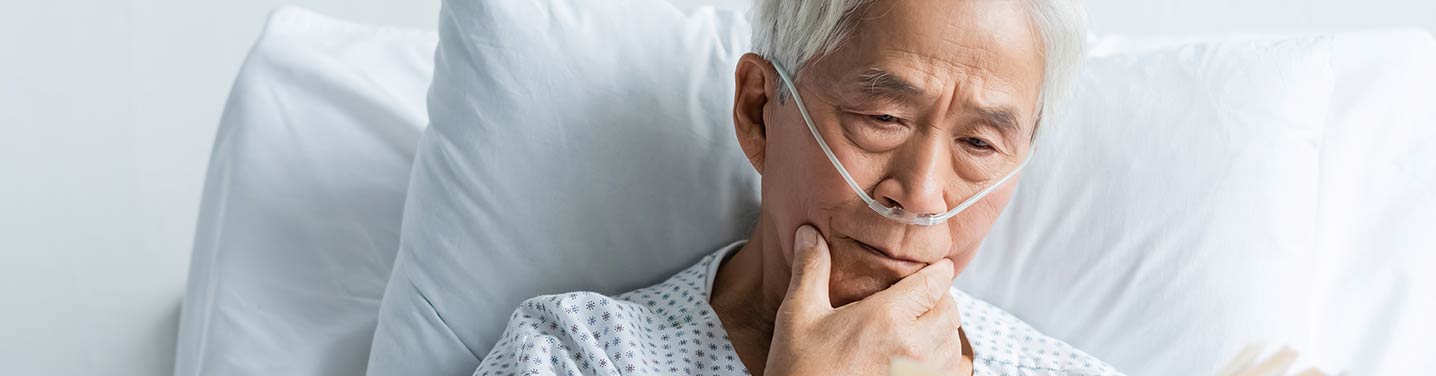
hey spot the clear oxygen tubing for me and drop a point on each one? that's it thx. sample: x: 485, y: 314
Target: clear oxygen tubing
x: 893, y: 213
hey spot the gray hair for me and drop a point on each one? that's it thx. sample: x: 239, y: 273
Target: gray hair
x: 793, y: 33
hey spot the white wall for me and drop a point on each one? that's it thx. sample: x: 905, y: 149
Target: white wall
x: 108, y: 108
x: 1222, y: 16
x: 107, y: 112
x: 1226, y: 16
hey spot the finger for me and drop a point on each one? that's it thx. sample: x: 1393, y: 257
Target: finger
x: 812, y: 264
x: 915, y: 294
x: 936, y: 327
x: 940, y: 323
x: 939, y: 346
x: 948, y: 355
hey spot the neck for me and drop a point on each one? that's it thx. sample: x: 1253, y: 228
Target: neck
x: 747, y: 293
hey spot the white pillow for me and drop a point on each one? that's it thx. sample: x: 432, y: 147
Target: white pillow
x: 1169, y: 219
x: 1372, y: 300
x: 573, y: 145
x: 300, y: 217
x: 1378, y: 207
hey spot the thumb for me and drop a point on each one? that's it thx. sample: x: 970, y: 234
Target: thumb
x: 812, y: 264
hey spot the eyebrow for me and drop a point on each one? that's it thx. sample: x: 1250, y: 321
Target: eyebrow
x: 1003, y: 118
x: 879, y: 83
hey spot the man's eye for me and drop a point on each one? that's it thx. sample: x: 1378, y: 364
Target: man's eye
x: 977, y: 143
x: 885, y: 118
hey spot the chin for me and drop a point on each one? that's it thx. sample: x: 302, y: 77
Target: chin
x: 855, y: 278
x: 858, y: 273
x: 848, y: 289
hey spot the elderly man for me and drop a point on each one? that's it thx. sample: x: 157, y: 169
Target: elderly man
x: 889, y: 135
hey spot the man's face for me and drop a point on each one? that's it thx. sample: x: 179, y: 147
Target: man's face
x: 928, y: 102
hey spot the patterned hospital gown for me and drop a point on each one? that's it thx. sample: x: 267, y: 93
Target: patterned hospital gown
x: 669, y: 329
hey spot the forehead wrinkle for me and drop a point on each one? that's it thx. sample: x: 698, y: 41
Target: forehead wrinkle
x: 951, y: 40
x: 879, y: 83
x: 971, y: 83
x: 972, y: 62
x: 957, y: 75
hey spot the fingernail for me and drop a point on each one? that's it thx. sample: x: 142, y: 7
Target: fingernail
x: 806, y: 238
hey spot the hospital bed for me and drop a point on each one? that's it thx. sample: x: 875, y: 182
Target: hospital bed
x: 309, y: 190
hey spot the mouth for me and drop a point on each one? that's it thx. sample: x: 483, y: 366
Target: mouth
x: 884, y: 253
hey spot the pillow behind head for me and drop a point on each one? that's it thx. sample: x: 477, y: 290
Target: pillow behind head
x: 1169, y: 218
x: 1378, y: 203
x: 573, y: 145
x: 1372, y: 296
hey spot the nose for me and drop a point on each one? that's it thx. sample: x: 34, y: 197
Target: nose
x: 916, y: 179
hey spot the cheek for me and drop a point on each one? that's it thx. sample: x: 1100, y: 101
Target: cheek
x: 970, y: 227
x: 799, y: 184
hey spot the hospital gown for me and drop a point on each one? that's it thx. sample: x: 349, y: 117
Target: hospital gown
x: 669, y: 329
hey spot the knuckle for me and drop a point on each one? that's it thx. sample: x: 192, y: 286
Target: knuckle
x: 927, y: 296
x: 952, y: 323
x: 896, y: 309
x: 936, y: 284
x: 909, y: 349
x: 932, y: 300
x: 945, y: 304
x: 886, y: 320
x: 802, y: 257
x: 806, y: 266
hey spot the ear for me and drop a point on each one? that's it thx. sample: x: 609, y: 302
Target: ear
x: 755, y: 85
